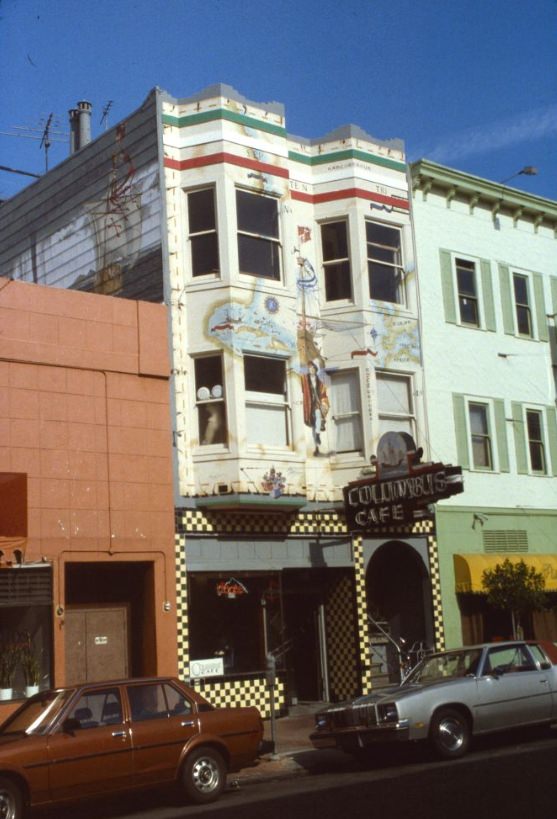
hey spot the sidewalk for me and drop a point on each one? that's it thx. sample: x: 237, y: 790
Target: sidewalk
x: 294, y: 754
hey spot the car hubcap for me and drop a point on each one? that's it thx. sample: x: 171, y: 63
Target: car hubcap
x: 7, y: 807
x: 451, y: 734
x: 205, y: 774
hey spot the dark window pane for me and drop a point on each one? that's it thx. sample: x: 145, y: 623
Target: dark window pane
x: 534, y: 425
x: 204, y: 254
x: 208, y: 372
x: 264, y: 375
x: 259, y: 257
x: 523, y: 320
x: 469, y: 311
x: 257, y: 214
x: 338, y: 283
x: 383, y: 282
x: 520, y: 289
x: 535, y: 441
x: 466, y: 278
x: 383, y: 235
x: 334, y: 241
x: 201, y: 210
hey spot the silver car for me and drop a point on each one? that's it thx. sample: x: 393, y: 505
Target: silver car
x: 449, y: 697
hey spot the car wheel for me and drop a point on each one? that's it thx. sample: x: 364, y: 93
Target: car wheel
x: 449, y: 733
x: 11, y: 803
x: 204, y: 775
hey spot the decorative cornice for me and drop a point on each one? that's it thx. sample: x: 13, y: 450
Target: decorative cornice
x: 428, y: 175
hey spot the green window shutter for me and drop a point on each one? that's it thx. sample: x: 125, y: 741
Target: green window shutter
x: 539, y: 302
x: 461, y: 432
x: 551, y: 416
x: 501, y: 434
x: 487, y: 294
x: 447, y: 286
x: 506, y: 299
x: 519, y: 439
x: 553, y: 282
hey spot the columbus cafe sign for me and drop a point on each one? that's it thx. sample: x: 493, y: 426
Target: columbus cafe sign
x: 401, y: 487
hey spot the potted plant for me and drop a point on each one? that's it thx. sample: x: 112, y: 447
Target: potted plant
x: 31, y: 666
x: 9, y: 657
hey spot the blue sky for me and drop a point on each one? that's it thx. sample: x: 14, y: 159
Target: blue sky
x: 467, y: 83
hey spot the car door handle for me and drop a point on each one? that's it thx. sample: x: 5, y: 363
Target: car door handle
x: 543, y: 682
x: 188, y: 723
x: 119, y: 734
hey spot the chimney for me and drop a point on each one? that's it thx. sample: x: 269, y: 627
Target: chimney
x: 74, y: 130
x: 80, y: 126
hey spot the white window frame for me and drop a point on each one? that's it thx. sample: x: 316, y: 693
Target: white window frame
x: 193, y: 235
x: 409, y: 415
x: 401, y: 284
x: 330, y: 263
x: 273, y: 241
x: 210, y: 401
x: 271, y: 400
x: 460, y: 297
x: 517, y: 274
x: 355, y: 412
x: 542, y: 442
x: 490, y: 435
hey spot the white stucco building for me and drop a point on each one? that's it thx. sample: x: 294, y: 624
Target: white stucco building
x: 488, y: 299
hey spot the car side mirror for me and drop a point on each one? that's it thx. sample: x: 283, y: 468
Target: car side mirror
x: 71, y: 725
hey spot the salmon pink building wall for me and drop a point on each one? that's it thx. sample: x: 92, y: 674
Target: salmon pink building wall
x: 84, y: 415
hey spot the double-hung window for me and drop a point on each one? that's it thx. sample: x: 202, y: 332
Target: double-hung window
x: 523, y: 312
x: 347, y: 411
x: 467, y: 288
x: 267, y: 421
x: 209, y: 393
x: 203, y: 237
x: 384, y: 262
x: 336, y: 260
x: 523, y: 303
x: 258, y: 235
x: 480, y: 434
x: 535, y: 439
x: 394, y: 403
x: 536, y: 447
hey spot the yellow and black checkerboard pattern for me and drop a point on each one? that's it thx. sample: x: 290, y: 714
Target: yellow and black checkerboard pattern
x: 348, y: 641
x: 342, y: 642
x: 312, y: 524
x: 232, y: 693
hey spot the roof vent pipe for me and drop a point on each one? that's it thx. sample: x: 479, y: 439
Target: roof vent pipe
x: 74, y: 130
x: 84, y: 109
x: 80, y: 126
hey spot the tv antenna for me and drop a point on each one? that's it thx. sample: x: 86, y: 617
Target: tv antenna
x: 104, y: 117
x: 47, y: 133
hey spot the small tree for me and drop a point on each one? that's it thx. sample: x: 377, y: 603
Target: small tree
x: 515, y: 587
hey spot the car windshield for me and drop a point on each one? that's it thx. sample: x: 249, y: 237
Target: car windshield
x: 447, y: 665
x: 37, y: 714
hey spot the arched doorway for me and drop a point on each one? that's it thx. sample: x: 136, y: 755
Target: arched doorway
x: 399, y: 599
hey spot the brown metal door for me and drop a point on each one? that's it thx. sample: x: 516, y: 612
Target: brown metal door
x: 97, y: 646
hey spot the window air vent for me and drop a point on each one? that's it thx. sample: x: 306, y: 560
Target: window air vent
x: 26, y: 587
x: 505, y: 540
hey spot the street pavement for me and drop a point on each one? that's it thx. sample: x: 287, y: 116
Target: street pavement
x: 293, y: 754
